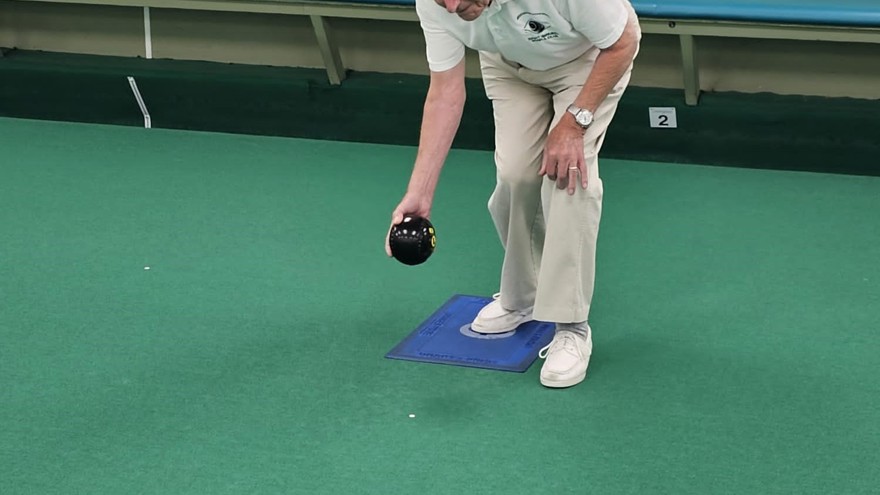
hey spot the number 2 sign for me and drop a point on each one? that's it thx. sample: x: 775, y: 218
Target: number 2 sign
x: 663, y: 117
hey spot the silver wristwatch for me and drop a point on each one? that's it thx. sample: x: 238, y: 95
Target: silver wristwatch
x: 582, y: 116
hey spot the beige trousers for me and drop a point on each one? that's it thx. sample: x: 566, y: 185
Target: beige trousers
x: 549, y: 236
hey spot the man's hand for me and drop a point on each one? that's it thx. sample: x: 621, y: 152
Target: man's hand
x: 563, y: 159
x: 411, y: 204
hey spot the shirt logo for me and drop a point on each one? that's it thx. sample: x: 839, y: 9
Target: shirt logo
x: 536, y: 26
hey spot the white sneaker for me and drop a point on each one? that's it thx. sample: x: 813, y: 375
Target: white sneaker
x: 566, y: 359
x: 495, y: 319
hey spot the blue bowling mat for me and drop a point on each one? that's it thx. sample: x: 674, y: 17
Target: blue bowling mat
x: 446, y: 338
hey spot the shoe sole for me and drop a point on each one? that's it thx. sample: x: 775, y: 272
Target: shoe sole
x: 569, y: 382
x: 506, y: 329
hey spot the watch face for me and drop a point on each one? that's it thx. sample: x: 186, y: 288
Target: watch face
x: 584, y: 118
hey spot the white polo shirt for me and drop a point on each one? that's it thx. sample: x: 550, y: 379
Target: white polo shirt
x: 538, y: 34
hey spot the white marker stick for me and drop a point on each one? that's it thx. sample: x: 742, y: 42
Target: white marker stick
x: 140, y: 101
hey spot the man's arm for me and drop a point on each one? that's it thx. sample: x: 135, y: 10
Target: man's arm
x: 565, y: 143
x: 440, y: 120
x: 610, y: 66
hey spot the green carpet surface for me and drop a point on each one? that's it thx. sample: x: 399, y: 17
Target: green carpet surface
x: 735, y: 327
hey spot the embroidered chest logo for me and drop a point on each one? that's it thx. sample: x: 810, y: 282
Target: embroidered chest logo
x: 537, y: 26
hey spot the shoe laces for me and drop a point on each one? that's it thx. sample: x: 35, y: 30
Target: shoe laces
x: 497, y: 297
x: 562, y: 341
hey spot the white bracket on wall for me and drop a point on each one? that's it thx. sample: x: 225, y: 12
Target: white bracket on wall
x: 329, y: 49
x: 148, y: 34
